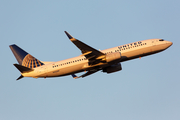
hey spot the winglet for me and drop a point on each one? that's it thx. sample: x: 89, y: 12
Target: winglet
x: 74, y: 76
x: 69, y: 36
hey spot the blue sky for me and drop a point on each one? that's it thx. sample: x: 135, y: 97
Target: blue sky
x: 146, y: 88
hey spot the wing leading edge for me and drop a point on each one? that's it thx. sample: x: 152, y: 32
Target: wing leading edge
x: 94, y: 56
x: 86, y: 50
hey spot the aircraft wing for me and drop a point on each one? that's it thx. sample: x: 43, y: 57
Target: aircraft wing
x: 87, y: 51
x: 86, y: 74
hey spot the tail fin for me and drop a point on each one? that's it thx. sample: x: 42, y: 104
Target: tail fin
x: 24, y: 58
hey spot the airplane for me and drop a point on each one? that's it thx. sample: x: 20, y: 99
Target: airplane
x: 90, y: 61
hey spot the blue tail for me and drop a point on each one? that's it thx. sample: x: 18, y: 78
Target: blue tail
x: 24, y: 58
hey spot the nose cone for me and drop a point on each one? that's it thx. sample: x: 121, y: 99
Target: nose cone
x: 169, y: 43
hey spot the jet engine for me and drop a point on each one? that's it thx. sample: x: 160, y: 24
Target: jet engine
x: 113, y: 68
x: 112, y: 56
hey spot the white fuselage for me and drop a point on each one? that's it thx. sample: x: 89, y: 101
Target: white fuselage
x: 80, y: 63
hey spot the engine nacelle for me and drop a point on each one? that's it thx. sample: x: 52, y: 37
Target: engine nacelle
x: 113, y: 68
x: 112, y: 56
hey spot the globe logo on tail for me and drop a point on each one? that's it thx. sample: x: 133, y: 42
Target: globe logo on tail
x: 31, y: 62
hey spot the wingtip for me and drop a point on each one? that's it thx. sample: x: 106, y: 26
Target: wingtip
x: 69, y: 36
x: 74, y: 76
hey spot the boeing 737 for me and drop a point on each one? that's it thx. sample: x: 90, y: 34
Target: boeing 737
x: 91, y: 60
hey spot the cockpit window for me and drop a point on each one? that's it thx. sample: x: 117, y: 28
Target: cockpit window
x: 161, y: 40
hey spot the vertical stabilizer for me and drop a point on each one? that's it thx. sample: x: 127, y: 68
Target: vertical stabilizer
x: 24, y: 58
x: 18, y: 53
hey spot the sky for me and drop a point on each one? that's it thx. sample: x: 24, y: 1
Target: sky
x: 145, y: 89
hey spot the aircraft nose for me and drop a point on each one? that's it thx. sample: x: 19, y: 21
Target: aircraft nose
x: 169, y: 43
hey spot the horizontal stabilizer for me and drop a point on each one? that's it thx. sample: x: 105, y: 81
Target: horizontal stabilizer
x: 23, y: 69
x: 74, y: 76
x: 20, y: 77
